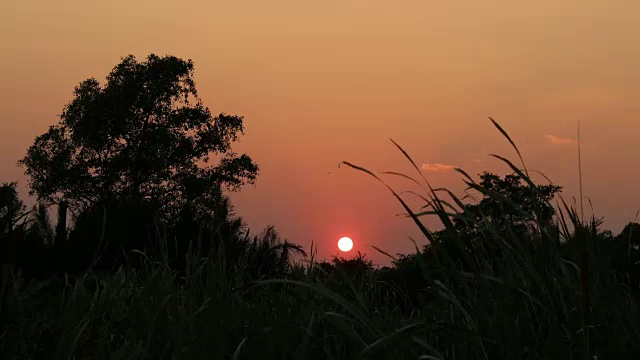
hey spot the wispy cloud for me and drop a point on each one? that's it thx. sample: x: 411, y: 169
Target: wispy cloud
x: 558, y: 140
x: 437, y: 167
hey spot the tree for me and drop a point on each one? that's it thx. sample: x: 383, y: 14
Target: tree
x: 510, y: 211
x: 509, y: 204
x: 144, y: 134
x: 12, y: 210
x: 630, y: 236
x: 625, y: 253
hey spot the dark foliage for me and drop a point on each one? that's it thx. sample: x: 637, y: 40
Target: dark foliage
x: 144, y: 134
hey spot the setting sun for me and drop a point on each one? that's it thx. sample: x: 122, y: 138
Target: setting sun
x: 345, y: 244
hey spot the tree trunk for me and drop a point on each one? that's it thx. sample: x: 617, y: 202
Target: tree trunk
x: 61, y: 227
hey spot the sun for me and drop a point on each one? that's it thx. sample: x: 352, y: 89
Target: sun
x: 345, y: 244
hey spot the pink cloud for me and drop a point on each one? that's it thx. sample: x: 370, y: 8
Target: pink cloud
x: 557, y: 140
x: 437, y: 167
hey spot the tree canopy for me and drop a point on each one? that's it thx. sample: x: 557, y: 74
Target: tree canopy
x: 143, y: 134
x: 509, y: 202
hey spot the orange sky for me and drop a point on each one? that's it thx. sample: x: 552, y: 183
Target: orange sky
x: 324, y: 81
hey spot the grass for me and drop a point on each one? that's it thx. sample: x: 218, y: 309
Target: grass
x: 543, y: 298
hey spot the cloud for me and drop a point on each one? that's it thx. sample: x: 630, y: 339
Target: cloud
x: 437, y: 167
x: 557, y: 140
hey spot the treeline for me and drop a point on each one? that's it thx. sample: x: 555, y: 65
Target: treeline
x: 118, y: 234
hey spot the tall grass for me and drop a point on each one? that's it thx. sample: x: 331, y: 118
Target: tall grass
x: 532, y: 301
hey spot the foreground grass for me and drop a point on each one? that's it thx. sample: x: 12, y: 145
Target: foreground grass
x: 148, y: 315
x: 548, y: 295
x: 525, y: 312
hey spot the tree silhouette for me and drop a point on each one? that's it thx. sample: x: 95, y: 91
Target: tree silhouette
x: 508, y: 204
x: 12, y: 210
x: 630, y: 237
x: 624, y: 254
x: 144, y: 134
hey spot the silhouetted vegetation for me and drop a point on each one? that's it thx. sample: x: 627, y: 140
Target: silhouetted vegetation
x: 154, y: 262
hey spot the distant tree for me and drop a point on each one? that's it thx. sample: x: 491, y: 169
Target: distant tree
x: 625, y: 253
x: 144, y: 134
x: 12, y: 210
x: 509, y: 204
x: 630, y: 236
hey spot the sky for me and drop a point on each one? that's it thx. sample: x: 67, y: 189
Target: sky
x: 320, y: 82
